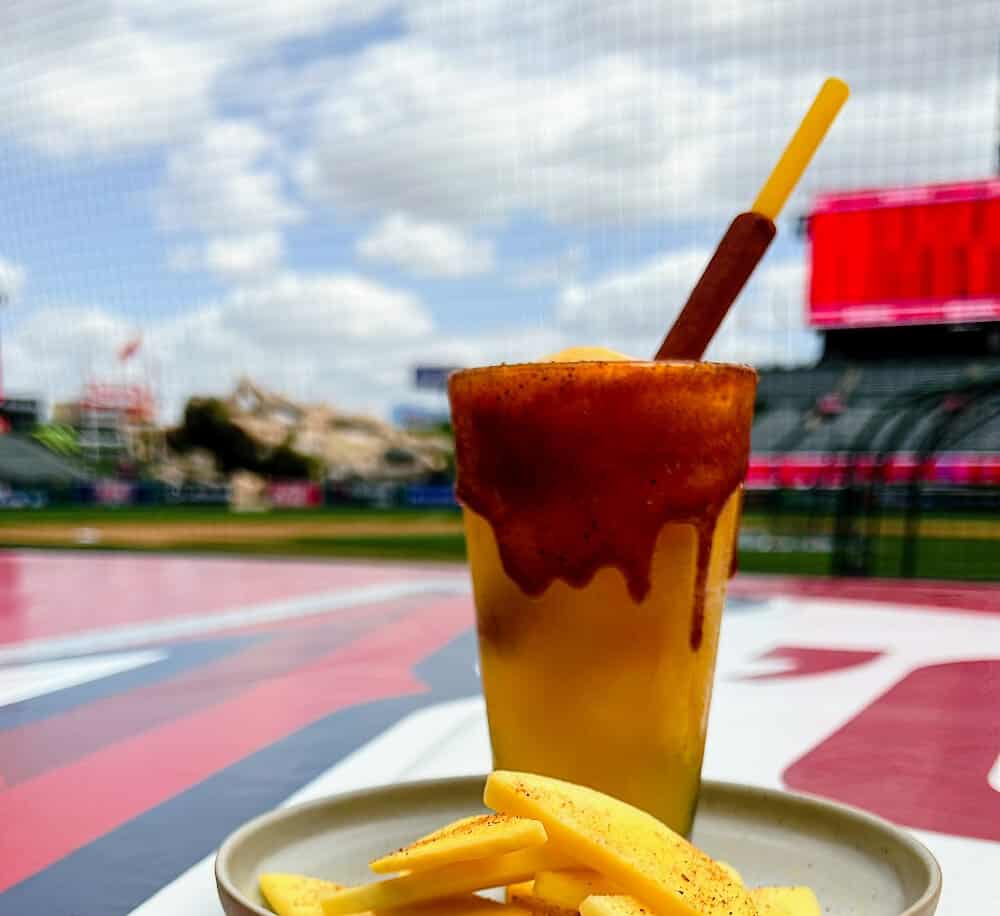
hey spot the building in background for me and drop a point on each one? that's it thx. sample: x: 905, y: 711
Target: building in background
x: 349, y: 446
x: 115, y: 423
x: 20, y: 414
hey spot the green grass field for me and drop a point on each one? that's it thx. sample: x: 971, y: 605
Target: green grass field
x: 937, y: 558
x: 970, y: 549
x: 91, y: 515
x: 419, y: 547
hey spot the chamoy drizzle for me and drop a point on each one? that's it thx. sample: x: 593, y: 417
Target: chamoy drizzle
x: 579, y: 465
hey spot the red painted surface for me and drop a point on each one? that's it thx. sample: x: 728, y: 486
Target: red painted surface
x: 87, y: 798
x: 57, y: 594
x: 967, y: 597
x: 803, y: 661
x: 37, y: 747
x: 920, y: 754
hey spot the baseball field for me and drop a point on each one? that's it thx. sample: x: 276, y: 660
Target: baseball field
x: 950, y: 546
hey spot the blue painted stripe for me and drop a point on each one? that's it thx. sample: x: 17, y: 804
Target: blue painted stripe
x: 180, y: 658
x: 115, y: 874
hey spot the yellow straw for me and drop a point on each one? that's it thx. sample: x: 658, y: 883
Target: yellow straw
x: 786, y: 174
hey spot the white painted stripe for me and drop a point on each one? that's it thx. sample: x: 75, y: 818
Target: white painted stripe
x: 436, y: 741
x: 25, y: 682
x: 757, y: 728
x: 394, y: 756
x: 115, y: 638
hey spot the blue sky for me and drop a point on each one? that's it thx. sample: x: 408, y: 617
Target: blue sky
x: 324, y: 193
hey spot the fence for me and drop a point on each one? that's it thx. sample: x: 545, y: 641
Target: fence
x: 282, y: 494
x: 859, y: 530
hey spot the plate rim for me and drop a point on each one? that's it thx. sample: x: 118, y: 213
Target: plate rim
x: 921, y: 907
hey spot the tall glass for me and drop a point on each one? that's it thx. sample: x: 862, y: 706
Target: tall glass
x: 601, y: 504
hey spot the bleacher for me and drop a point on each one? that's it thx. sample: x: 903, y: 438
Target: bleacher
x: 828, y: 407
x: 796, y: 388
x: 774, y: 425
x: 834, y: 434
x: 881, y: 382
x: 25, y: 463
x: 985, y: 438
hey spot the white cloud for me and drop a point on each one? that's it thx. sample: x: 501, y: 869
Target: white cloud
x: 244, y: 255
x: 409, y: 128
x: 12, y: 277
x: 353, y: 342
x: 579, y: 109
x: 53, y: 350
x: 559, y: 269
x: 324, y: 309
x: 632, y: 310
x: 225, y: 182
x: 232, y: 257
x: 335, y: 337
x: 250, y: 27
x: 102, y: 77
x: 426, y: 248
x: 82, y: 78
x: 575, y: 111
x: 885, y: 43
x: 316, y: 336
x: 644, y: 112
x: 638, y: 300
x: 339, y: 337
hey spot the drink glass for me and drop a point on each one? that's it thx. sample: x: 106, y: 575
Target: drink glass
x: 601, y: 503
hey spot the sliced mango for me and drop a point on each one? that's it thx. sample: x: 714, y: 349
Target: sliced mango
x: 295, y: 895
x: 467, y: 905
x: 729, y: 870
x: 537, y: 907
x: 445, y: 881
x: 785, y: 901
x: 300, y: 895
x: 469, y: 838
x: 514, y: 893
x: 613, y: 905
x: 642, y: 856
x: 523, y: 895
x: 569, y: 887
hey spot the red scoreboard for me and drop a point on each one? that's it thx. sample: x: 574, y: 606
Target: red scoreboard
x: 919, y: 255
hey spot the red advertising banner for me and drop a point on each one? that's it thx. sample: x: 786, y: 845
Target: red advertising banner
x: 804, y: 470
x: 928, y: 254
x: 294, y: 494
x: 112, y: 492
x: 135, y: 400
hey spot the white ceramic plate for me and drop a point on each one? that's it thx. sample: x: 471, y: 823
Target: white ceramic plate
x: 857, y: 864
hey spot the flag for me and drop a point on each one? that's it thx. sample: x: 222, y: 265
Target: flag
x: 129, y: 349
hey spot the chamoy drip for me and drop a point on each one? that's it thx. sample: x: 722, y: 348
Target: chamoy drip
x: 577, y: 464
x: 734, y: 556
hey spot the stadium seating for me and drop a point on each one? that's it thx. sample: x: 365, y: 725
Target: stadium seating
x: 23, y: 462
x: 826, y: 408
x: 774, y: 426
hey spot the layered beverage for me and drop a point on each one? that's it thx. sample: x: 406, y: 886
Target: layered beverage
x: 601, y: 501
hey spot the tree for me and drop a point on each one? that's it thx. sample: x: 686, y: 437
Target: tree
x: 207, y: 425
x: 285, y: 462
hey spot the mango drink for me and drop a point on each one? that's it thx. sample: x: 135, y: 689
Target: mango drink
x: 601, y: 500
